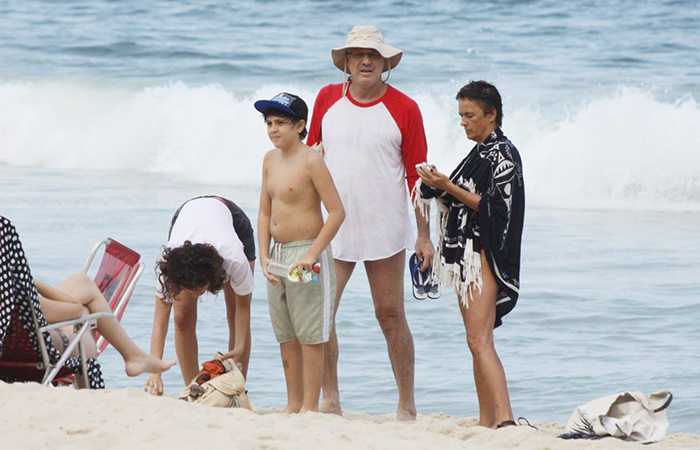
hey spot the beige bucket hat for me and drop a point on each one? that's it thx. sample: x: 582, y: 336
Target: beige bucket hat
x: 364, y: 36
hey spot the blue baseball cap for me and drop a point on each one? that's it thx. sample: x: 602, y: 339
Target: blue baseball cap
x: 286, y: 102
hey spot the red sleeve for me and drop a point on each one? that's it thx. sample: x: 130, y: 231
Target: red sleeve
x: 414, y: 145
x: 321, y: 105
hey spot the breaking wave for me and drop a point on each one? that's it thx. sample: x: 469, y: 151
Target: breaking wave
x: 628, y: 150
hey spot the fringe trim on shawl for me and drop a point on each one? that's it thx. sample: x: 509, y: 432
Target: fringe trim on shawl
x: 449, y: 274
x: 419, y: 203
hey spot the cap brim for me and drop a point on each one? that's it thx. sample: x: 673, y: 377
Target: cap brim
x: 264, y: 105
x: 393, y: 54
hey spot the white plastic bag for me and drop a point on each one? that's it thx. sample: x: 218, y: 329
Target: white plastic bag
x: 631, y: 416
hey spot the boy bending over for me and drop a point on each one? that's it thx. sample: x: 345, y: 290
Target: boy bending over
x: 211, y: 248
x: 295, y: 182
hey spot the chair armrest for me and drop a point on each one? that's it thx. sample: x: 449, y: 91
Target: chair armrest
x: 89, y: 318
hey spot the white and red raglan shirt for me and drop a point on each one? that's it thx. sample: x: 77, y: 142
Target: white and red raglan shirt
x: 371, y: 150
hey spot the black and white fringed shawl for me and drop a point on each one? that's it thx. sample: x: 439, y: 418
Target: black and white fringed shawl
x: 493, y: 170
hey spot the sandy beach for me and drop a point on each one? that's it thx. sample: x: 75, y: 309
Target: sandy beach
x: 37, y: 417
x: 113, y: 114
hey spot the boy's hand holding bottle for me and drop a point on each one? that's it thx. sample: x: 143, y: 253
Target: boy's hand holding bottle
x: 265, y: 263
x: 305, y: 270
x: 305, y: 267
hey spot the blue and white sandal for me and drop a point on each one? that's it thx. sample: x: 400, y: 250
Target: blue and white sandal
x: 422, y: 287
x: 418, y: 279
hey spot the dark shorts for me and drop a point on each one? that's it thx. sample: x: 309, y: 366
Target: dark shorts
x: 241, y: 225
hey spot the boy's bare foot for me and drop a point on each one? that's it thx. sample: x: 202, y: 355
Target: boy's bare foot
x: 331, y: 407
x: 290, y: 410
x: 305, y: 410
x: 147, y: 364
x: 406, y: 414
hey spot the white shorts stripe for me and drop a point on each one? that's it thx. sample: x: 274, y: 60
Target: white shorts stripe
x: 327, y: 300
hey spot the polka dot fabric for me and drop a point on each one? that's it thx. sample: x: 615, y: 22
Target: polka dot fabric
x: 17, y: 290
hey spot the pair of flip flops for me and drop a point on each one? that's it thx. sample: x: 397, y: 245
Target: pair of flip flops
x: 422, y: 287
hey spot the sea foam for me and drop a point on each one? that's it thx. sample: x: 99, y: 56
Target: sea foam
x: 628, y: 150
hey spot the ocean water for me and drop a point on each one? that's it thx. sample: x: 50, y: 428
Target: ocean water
x: 114, y: 113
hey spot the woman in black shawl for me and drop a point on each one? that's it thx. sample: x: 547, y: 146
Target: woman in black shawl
x: 480, y: 220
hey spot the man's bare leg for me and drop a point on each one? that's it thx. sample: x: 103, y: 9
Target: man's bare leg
x: 312, y: 356
x: 186, y: 347
x: 293, y: 375
x: 331, y: 395
x: 489, y: 376
x: 136, y: 361
x: 386, y: 283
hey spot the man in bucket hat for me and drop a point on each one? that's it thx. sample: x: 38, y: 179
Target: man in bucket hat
x: 372, y: 137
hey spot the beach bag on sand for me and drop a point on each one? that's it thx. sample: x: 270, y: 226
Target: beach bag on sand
x: 631, y: 416
x: 224, y: 388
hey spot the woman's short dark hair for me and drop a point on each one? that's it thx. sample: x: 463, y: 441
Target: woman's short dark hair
x: 191, y: 266
x: 485, y: 95
x: 285, y: 115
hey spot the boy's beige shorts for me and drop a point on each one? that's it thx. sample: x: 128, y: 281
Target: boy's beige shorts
x: 302, y: 311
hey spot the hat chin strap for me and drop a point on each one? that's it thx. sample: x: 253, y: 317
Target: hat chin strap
x: 388, y: 75
x: 346, y: 84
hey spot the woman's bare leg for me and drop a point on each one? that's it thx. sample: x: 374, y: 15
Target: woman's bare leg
x: 489, y: 376
x: 136, y: 361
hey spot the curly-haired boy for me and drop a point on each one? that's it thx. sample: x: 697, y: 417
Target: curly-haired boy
x: 210, y: 247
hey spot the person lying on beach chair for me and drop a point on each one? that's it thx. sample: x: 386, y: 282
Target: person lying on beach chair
x: 27, y: 350
x: 79, y: 296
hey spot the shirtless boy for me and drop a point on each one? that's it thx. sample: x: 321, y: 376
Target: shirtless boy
x: 295, y: 182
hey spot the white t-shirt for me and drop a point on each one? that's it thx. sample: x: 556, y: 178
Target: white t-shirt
x: 209, y: 221
x: 371, y: 150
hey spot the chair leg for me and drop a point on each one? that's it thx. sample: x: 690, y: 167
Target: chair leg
x: 83, y: 364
